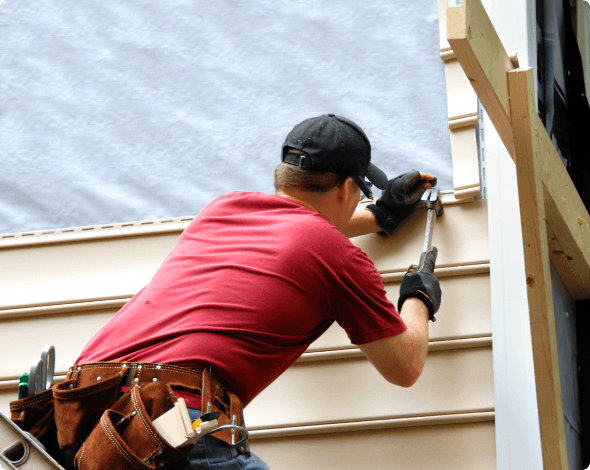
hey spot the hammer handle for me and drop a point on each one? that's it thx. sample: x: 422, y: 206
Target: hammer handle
x: 429, y: 229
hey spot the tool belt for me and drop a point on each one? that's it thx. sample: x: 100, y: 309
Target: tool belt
x: 110, y: 429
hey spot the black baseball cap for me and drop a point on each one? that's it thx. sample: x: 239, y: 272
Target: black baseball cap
x: 334, y: 144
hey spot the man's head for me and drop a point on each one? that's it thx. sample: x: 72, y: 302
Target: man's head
x: 332, y: 144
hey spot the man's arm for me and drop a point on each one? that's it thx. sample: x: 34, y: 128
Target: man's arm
x: 362, y: 222
x: 400, y: 359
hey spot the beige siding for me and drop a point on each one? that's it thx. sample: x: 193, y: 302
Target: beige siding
x: 6, y: 396
x: 332, y: 387
x: 464, y: 313
x: 24, y: 337
x: 460, y: 234
x: 462, y: 100
x: 468, y: 446
x: 463, y: 145
x: 110, y: 268
x: 453, y: 381
x: 98, y: 268
x: 67, y: 315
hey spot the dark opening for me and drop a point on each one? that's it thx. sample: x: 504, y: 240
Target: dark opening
x: 583, y: 329
x: 16, y: 453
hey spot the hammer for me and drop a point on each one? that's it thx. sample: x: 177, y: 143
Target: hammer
x: 435, y: 209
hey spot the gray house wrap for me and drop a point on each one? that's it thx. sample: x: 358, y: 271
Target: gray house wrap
x: 122, y: 111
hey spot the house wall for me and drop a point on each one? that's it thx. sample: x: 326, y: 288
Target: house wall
x: 62, y: 288
x: 565, y: 327
x: 332, y: 394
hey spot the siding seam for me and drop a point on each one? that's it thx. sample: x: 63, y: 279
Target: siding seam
x: 370, y: 425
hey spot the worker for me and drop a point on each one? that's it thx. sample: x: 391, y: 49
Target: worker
x: 253, y: 280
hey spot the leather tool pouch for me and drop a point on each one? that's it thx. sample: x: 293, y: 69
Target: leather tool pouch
x: 125, y: 438
x: 35, y: 414
x: 77, y: 409
x: 88, y: 416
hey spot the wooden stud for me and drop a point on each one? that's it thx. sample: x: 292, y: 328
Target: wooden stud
x: 528, y: 152
x: 484, y: 60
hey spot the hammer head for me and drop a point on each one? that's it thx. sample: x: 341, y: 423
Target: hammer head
x: 433, y: 202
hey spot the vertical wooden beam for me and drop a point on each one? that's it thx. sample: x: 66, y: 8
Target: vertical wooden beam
x: 528, y: 155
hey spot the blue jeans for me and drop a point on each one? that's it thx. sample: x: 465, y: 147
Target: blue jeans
x: 210, y: 453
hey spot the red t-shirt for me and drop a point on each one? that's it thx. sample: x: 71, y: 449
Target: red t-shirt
x: 252, y: 282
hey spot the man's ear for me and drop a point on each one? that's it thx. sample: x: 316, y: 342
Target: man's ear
x: 345, y: 190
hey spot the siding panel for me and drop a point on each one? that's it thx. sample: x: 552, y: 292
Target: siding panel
x: 68, y: 272
x: 23, y: 338
x: 460, y: 234
x: 100, y: 269
x: 464, y: 312
x: 348, y: 390
x: 450, y: 447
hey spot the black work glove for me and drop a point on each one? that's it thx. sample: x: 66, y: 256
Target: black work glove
x: 399, y: 200
x: 420, y: 282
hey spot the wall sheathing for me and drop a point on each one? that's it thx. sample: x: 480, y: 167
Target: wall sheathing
x: 331, y: 409
x: 582, y: 18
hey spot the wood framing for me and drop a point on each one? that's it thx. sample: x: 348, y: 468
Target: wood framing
x: 485, y: 61
x: 555, y: 222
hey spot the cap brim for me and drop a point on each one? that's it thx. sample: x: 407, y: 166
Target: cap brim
x: 361, y: 184
x: 376, y: 176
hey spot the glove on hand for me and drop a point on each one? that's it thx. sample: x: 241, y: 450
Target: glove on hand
x: 399, y: 200
x: 420, y: 282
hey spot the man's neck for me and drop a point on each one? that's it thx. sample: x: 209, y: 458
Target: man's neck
x: 304, y: 202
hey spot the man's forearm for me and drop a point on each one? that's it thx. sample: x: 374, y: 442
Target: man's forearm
x: 362, y: 222
x: 415, y: 316
x: 400, y: 358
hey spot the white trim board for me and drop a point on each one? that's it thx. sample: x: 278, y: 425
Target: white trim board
x: 518, y: 439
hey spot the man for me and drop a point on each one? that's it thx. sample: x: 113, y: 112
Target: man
x: 253, y: 280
